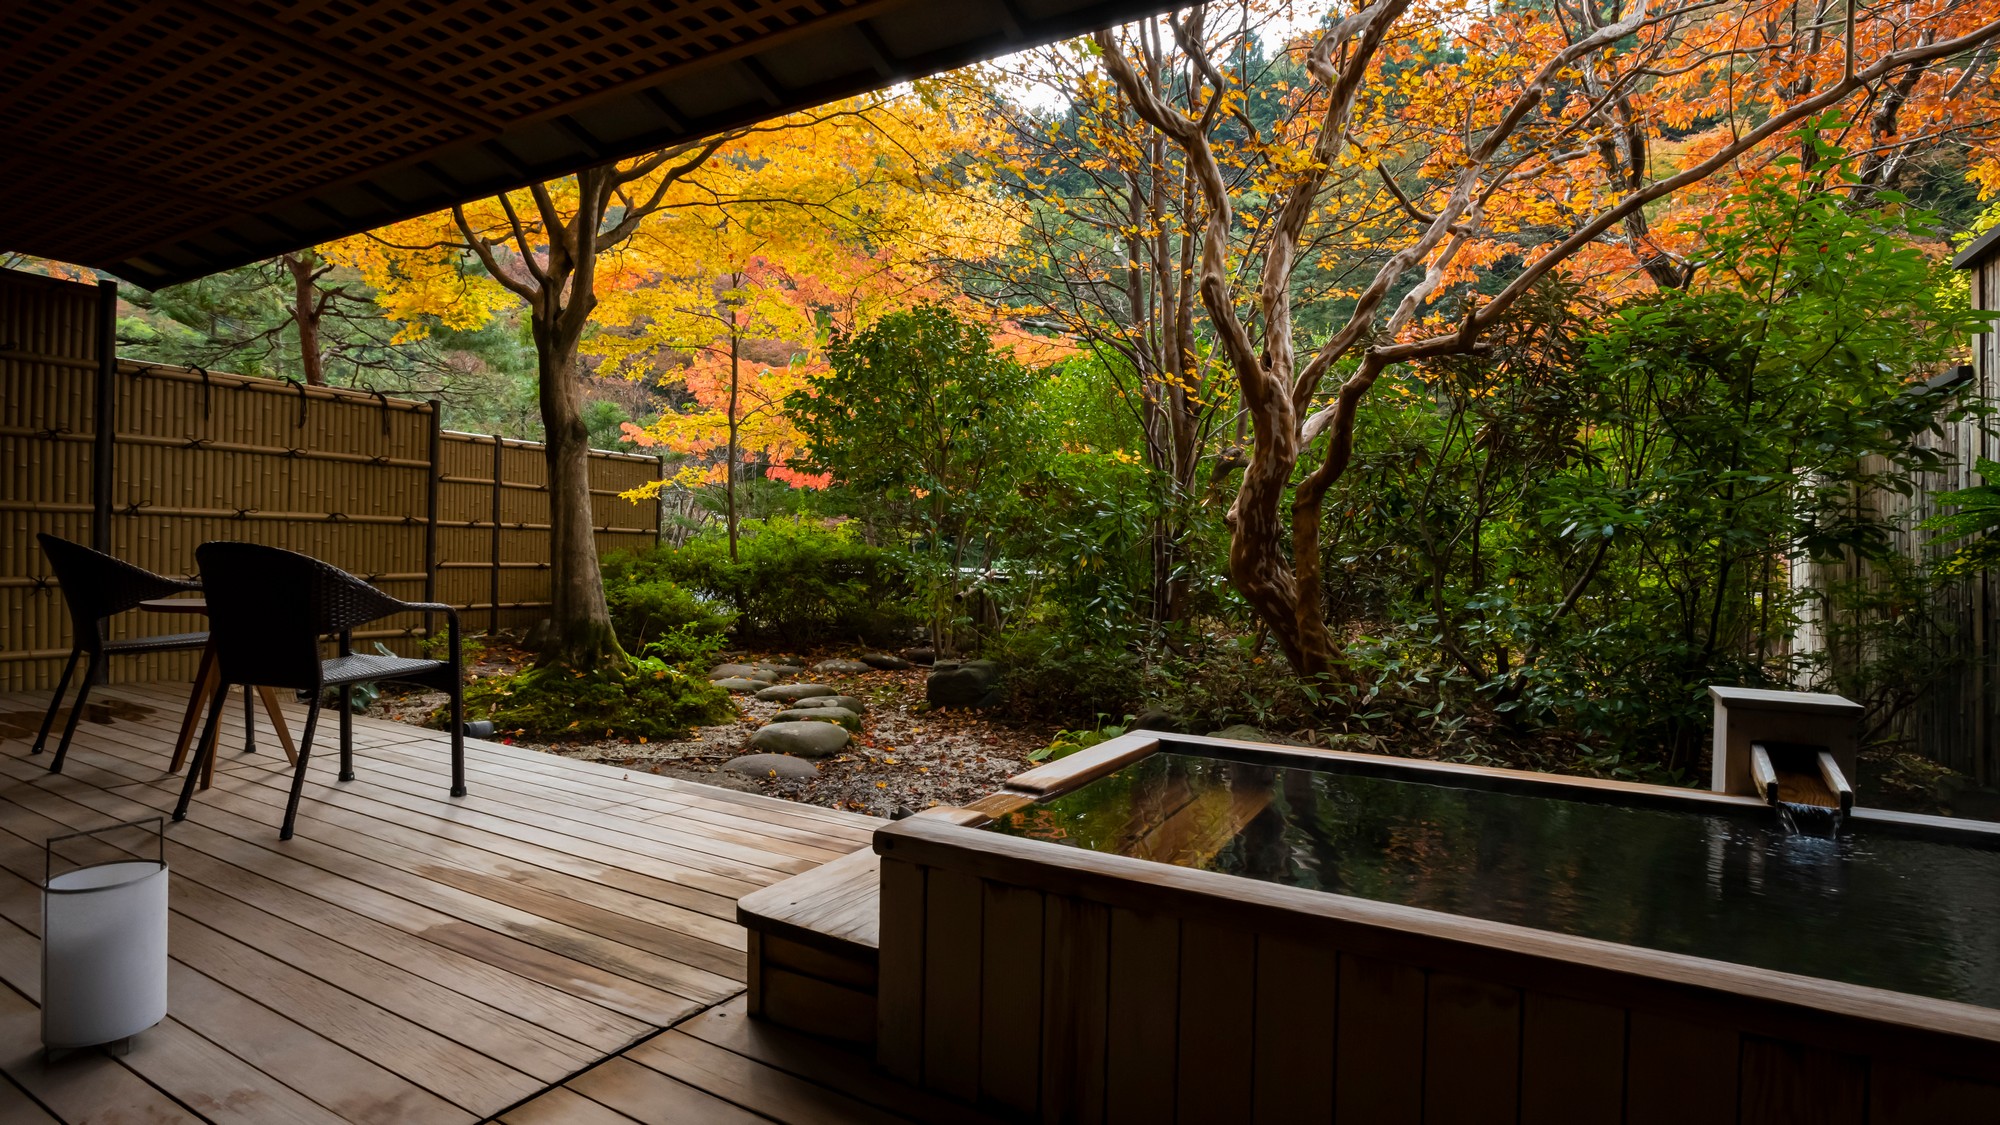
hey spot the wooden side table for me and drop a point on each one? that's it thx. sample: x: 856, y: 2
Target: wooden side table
x: 206, y: 678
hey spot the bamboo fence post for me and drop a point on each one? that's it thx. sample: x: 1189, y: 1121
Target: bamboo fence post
x: 499, y: 462
x: 434, y: 482
x: 105, y: 417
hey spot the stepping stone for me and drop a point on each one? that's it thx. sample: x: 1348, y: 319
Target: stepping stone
x: 805, y: 739
x: 840, y: 715
x: 766, y: 765
x: 842, y: 667
x: 847, y: 701
x: 725, y: 671
x: 887, y: 662
x: 792, y: 693
x: 740, y: 684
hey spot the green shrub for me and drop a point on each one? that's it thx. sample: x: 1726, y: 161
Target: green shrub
x: 647, y: 606
x: 799, y: 582
x: 650, y: 699
x: 1053, y: 675
x: 1067, y: 742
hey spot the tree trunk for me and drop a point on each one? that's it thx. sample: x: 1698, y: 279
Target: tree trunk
x: 304, y: 268
x: 729, y: 457
x: 578, y: 630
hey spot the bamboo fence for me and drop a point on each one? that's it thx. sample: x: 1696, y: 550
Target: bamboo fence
x: 364, y: 481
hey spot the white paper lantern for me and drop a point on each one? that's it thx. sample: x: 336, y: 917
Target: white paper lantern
x: 104, y: 952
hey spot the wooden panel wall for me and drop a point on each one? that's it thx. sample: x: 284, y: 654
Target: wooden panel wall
x: 1059, y: 1004
x: 345, y: 476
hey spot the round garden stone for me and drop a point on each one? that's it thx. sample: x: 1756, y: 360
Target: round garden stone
x: 805, y: 739
x: 960, y: 685
x: 726, y: 671
x: 768, y: 765
x: 841, y: 666
x: 847, y: 701
x: 740, y: 684
x: 887, y: 662
x: 840, y: 715
x: 792, y: 693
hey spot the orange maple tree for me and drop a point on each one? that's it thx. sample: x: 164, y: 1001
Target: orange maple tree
x: 1501, y: 143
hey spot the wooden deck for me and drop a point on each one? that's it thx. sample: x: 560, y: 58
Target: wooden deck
x: 519, y: 954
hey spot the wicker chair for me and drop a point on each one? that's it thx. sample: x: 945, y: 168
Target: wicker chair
x: 269, y: 609
x: 98, y: 587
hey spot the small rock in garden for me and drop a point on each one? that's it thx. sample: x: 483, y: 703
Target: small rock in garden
x: 841, y: 666
x: 961, y: 685
x: 791, y: 693
x: 764, y: 765
x: 847, y: 701
x: 840, y: 715
x: 1242, y: 732
x: 729, y: 671
x: 740, y: 684
x: 1159, y: 719
x: 805, y: 739
x: 887, y: 662
x: 920, y: 655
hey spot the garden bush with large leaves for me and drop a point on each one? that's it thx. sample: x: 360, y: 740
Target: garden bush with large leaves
x: 795, y: 582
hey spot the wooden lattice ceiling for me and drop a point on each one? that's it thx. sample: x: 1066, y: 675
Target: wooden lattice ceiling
x: 166, y: 139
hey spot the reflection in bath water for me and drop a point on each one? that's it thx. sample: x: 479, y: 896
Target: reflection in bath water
x: 1912, y: 915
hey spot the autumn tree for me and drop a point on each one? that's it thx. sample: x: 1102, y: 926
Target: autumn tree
x: 814, y: 230
x: 557, y: 248
x: 1503, y: 181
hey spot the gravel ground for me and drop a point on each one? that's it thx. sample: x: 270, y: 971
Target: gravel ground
x: 904, y: 757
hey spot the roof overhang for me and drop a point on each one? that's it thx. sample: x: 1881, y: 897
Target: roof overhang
x: 162, y: 140
x: 1978, y: 250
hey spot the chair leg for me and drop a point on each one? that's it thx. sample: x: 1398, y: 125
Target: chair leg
x: 62, y: 686
x: 249, y: 719
x: 457, y: 741
x: 299, y: 773
x: 347, y: 734
x: 75, y: 713
x: 204, y: 749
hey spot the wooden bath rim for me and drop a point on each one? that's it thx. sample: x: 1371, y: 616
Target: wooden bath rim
x: 1926, y: 1056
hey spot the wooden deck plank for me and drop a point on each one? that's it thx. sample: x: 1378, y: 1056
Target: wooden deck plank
x: 838, y: 902
x: 492, y: 1031
x: 563, y: 1106
x: 548, y: 952
x: 231, y: 1021
x: 358, y: 859
x: 652, y: 1098
x: 850, y: 1071
x: 546, y: 1007
x: 746, y: 1082
x: 702, y: 939
x: 411, y: 957
x: 19, y: 1109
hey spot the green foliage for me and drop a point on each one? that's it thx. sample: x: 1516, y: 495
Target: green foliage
x: 1977, y: 518
x: 649, y: 699
x: 799, y: 582
x: 1067, y: 742
x: 471, y: 646
x: 648, y: 607
x: 920, y: 415
x: 1582, y: 528
x: 1061, y: 675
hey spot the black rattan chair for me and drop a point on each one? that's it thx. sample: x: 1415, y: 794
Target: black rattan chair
x: 98, y: 587
x: 269, y: 610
